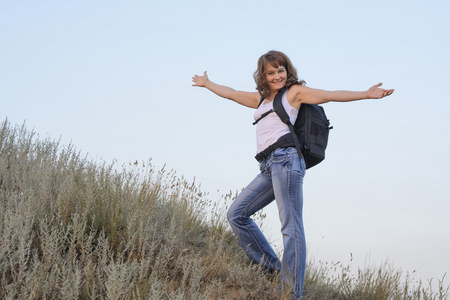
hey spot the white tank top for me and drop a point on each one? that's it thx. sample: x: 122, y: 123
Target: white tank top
x: 270, y: 128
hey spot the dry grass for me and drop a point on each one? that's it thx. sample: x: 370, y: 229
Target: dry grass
x: 71, y: 228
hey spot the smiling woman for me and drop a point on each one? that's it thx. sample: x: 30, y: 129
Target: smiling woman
x: 276, y: 79
x: 282, y: 170
x: 271, y: 64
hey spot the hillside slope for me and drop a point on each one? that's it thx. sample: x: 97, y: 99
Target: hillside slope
x: 76, y: 229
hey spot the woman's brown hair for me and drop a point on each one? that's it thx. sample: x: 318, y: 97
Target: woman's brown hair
x: 275, y: 59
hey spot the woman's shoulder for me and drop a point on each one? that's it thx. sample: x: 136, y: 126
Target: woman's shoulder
x: 297, y: 87
x: 294, y: 93
x: 295, y: 90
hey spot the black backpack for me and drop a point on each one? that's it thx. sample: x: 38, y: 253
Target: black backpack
x: 309, y: 134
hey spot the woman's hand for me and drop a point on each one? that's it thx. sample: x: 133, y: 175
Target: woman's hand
x: 249, y: 99
x: 200, y: 80
x: 376, y: 92
x: 298, y: 94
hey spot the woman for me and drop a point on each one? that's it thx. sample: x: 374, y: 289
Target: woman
x: 282, y: 171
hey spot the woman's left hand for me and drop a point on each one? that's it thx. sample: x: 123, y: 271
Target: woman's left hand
x: 376, y: 92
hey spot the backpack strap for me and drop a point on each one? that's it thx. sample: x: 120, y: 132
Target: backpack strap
x: 283, y: 142
x: 281, y: 112
x: 264, y: 114
x: 261, y: 101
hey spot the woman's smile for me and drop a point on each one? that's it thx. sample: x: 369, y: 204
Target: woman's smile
x: 276, y: 77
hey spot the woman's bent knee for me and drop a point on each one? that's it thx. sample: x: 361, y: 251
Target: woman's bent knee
x: 235, y: 216
x: 231, y: 215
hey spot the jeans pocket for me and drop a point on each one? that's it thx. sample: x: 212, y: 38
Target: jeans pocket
x: 280, y: 154
x: 262, y: 166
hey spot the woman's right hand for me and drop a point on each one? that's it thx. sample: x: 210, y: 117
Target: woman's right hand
x: 249, y: 99
x: 200, y: 80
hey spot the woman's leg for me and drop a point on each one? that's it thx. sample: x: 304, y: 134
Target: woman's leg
x: 254, y: 197
x: 287, y: 171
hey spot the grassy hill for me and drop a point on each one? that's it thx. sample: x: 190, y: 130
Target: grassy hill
x: 71, y: 228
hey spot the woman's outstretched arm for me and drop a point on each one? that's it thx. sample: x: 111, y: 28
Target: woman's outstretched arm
x: 303, y: 94
x: 248, y: 99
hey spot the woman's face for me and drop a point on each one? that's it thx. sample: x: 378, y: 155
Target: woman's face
x: 276, y: 77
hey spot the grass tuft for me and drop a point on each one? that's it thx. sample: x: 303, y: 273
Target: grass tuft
x: 71, y: 228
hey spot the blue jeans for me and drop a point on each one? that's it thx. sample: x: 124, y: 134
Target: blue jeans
x: 281, y: 178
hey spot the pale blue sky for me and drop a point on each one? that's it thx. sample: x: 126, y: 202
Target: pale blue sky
x: 114, y: 78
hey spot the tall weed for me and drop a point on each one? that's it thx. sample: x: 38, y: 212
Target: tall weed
x: 71, y: 228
